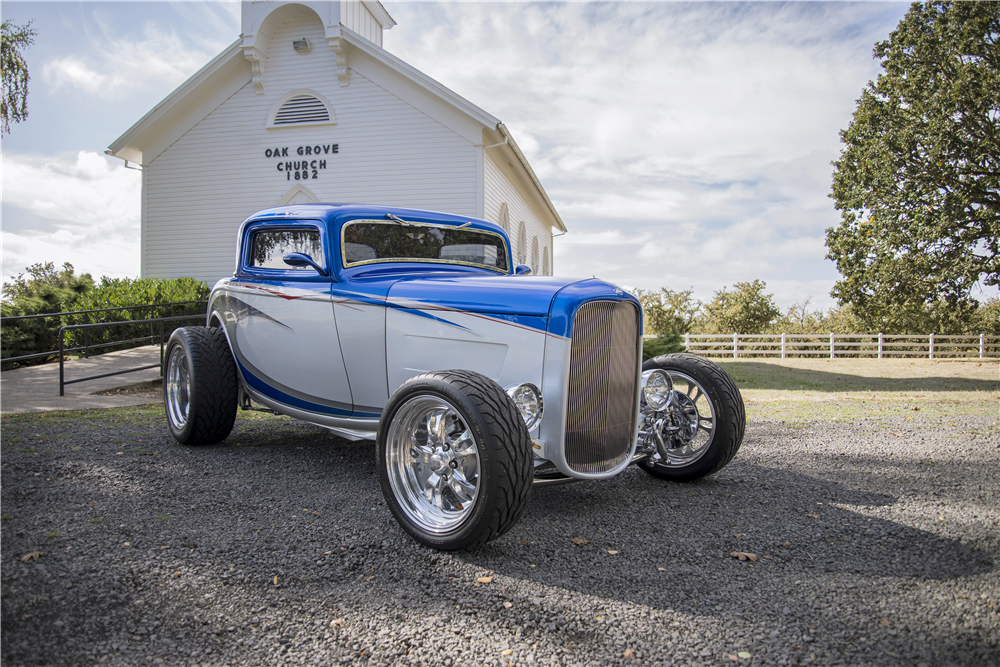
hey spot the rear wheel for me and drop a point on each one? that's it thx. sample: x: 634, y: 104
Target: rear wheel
x: 702, y: 427
x: 200, y: 386
x: 454, y: 459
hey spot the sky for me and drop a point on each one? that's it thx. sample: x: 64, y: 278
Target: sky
x: 685, y: 145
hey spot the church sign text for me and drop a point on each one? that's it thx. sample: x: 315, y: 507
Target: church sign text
x: 301, y: 170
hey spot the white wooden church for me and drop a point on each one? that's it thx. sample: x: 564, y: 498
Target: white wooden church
x: 306, y: 106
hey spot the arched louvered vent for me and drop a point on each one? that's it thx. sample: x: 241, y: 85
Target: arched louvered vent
x: 302, y: 109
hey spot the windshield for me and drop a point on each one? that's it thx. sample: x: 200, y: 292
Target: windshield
x: 369, y: 241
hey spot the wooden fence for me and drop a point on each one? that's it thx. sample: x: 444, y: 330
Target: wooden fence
x: 929, y: 346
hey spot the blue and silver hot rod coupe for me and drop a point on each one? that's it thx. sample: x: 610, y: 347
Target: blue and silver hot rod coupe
x: 475, y: 378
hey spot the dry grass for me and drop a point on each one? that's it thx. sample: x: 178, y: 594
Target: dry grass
x: 810, y: 389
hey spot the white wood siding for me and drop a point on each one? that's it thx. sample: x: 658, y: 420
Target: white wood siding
x: 502, y: 187
x: 199, y: 190
x: 356, y: 16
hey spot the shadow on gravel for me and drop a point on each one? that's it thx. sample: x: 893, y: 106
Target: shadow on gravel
x: 269, y: 537
x: 672, y: 543
x: 755, y: 375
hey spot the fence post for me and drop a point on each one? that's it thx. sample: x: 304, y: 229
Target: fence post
x: 161, y: 349
x: 687, y: 341
x: 61, y: 346
x: 982, y: 345
x: 782, y: 346
x: 86, y: 344
x: 880, y: 346
x: 736, y: 340
x: 831, y: 345
x: 930, y: 352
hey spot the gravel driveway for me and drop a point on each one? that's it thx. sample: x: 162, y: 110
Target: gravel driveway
x: 872, y: 542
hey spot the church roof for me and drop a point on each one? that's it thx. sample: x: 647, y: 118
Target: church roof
x: 228, y: 72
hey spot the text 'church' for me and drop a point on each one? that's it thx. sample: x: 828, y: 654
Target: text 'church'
x: 306, y: 106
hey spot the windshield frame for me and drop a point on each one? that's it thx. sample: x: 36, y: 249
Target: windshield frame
x: 421, y: 260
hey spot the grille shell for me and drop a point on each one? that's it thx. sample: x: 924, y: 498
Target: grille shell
x: 602, y: 393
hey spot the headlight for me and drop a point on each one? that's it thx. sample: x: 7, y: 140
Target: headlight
x: 528, y: 400
x: 656, y: 388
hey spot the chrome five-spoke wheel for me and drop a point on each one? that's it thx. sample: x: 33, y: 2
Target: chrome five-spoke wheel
x: 433, y: 463
x: 200, y: 386
x: 454, y: 459
x: 177, y: 381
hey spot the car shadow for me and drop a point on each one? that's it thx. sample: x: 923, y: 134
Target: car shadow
x: 684, y: 535
x: 757, y: 375
x: 283, y: 518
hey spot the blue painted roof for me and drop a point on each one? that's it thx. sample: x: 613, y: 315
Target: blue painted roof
x: 337, y: 214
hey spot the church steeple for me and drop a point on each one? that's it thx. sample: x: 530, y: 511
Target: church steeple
x: 260, y: 18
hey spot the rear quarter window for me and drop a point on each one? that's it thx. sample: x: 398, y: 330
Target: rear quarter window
x: 269, y: 246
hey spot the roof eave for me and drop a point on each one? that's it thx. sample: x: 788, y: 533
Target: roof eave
x: 171, y: 100
x: 418, y: 78
x: 505, y: 133
x: 380, y: 13
x: 458, y: 102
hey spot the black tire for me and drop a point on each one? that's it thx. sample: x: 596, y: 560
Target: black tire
x: 456, y: 405
x: 200, y: 386
x: 729, y: 423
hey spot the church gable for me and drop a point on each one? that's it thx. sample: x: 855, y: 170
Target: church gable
x: 330, y: 117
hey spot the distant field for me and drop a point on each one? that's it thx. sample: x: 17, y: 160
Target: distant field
x: 811, y: 389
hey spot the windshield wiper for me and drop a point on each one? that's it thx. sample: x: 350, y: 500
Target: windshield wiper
x: 400, y: 221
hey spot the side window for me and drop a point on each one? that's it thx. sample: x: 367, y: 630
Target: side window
x: 522, y: 244
x: 270, y: 246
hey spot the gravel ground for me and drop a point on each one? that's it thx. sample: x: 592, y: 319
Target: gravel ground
x: 877, y: 542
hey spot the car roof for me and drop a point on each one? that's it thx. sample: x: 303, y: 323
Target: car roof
x: 336, y: 214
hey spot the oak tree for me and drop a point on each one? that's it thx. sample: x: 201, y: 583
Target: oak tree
x: 918, y: 180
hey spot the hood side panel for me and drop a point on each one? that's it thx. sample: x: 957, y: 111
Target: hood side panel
x: 496, y: 295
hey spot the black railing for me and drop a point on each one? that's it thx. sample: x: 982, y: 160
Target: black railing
x: 87, y: 347
x: 86, y: 327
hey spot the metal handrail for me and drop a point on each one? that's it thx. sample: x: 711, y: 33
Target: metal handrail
x: 62, y: 347
x: 99, y: 310
x: 87, y: 348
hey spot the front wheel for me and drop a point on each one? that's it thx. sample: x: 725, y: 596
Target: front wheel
x: 454, y: 459
x: 200, y: 387
x: 702, y: 426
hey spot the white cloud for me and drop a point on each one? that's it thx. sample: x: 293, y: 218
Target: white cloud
x: 115, y: 64
x: 684, y: 144
x: 82, y: 209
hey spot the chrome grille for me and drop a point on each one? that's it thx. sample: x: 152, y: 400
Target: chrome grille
x: 603, y: 380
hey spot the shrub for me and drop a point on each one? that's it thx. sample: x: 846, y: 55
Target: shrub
x: 665, y: 344
x: 121, y: 293
x: 44, y: 290
x: 745, y: 309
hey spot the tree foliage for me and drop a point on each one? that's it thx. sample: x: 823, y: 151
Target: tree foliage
x: 43, y: 290
x: 121, y: 293
x: 918, y: 181
x: 668, y: 312
x: 47, y: 290
x: 744, y: 309
x: 13, y: 40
